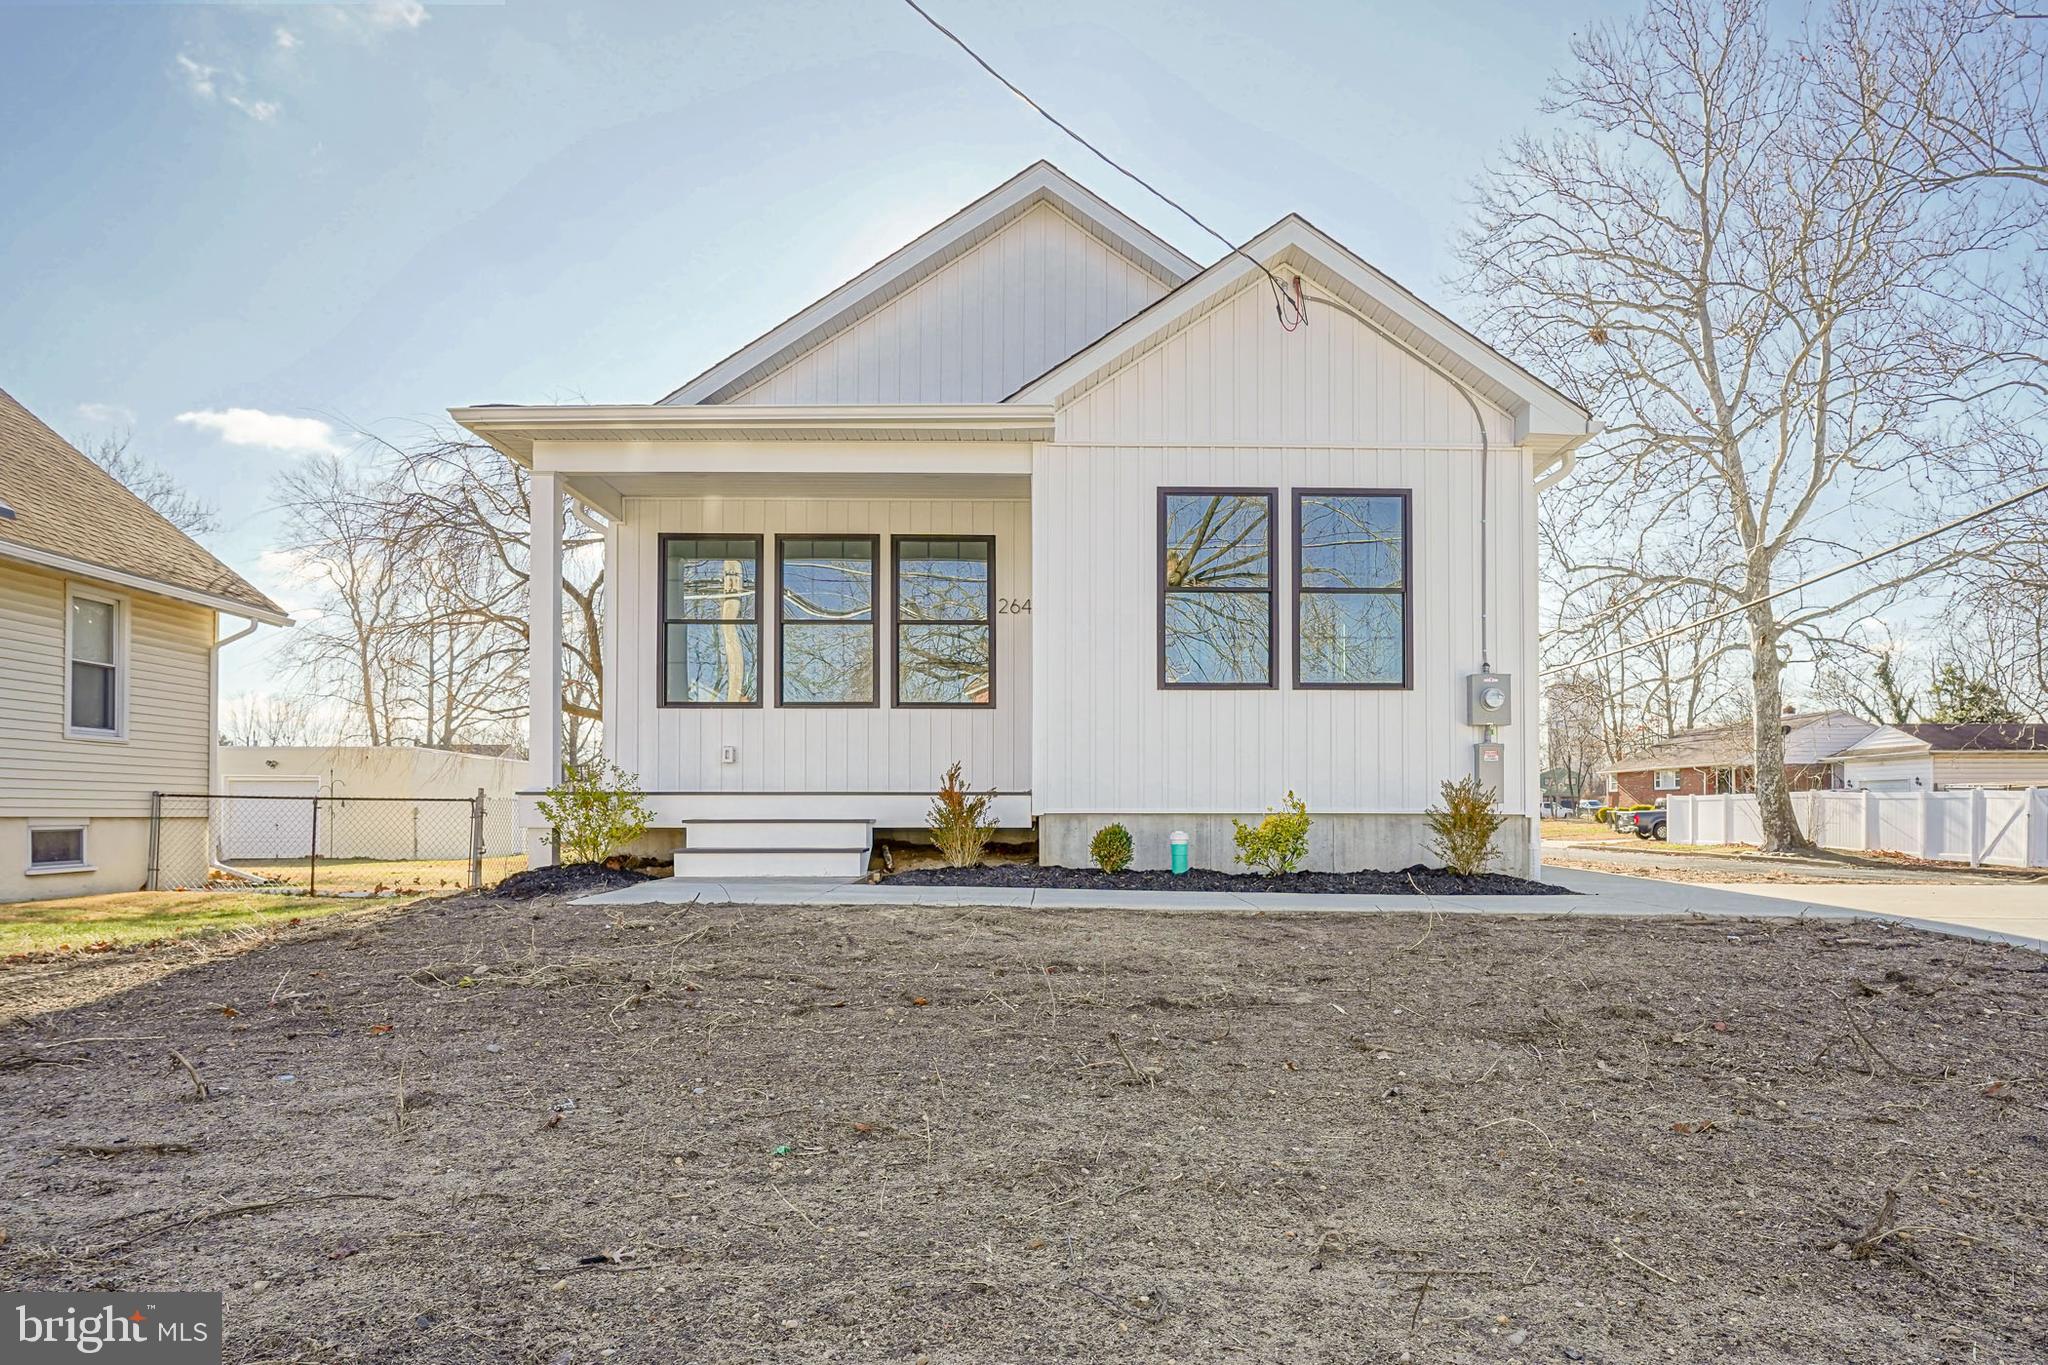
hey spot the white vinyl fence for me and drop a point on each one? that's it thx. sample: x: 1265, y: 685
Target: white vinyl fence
x: 1974, y: 826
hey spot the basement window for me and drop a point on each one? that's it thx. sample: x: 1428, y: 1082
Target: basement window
x: 710, y: 620
x: 56, y: 848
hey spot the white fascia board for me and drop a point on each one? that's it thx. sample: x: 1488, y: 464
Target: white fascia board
x: 1546, y: 421
x: 513, y: 430
x: 833, y: 312
x: 79, y: 568
x: 581, y: 460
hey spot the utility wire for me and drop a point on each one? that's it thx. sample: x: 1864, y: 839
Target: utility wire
x: 1283, y: 303
x: 1907, y: 543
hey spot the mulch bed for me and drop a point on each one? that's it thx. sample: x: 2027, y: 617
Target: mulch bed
x: 1414, y: 881
x: 476, y: 1130
x: 575, y: 879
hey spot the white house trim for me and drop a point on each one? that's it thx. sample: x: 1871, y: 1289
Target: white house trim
x: 29, y: 554
x: 1038, y: 183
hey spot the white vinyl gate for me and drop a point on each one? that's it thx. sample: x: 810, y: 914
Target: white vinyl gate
x: 1976, y: 825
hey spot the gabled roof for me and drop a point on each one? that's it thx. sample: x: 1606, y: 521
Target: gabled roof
x: 72, y: 516
x: 1543, y: 416
x: 903, y: 269
x: 1922, y: 737
x: 1713, y: 746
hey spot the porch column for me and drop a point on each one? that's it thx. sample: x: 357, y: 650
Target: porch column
x: 544, y: 653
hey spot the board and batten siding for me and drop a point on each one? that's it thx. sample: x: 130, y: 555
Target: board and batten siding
x: 813, y: 749
x: 169, y: 715
x: 1233, y: 400
x: 978, y: 328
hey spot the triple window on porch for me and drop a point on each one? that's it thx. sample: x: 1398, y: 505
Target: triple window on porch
x: 827, y: 621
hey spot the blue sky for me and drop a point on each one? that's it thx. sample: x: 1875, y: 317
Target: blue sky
x: 225, y: 225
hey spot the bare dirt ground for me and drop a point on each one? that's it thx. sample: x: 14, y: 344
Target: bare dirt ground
x: 478, y: 1130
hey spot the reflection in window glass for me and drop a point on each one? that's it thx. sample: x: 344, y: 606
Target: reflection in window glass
x: 711, y: 645
x: 945, y: 621
x: 56, y: 847
x: 1351, y: 629
x: 1217, y: 572
x: 828, y: 620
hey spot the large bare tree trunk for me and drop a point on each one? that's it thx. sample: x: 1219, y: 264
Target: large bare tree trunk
x: 1781, y: 832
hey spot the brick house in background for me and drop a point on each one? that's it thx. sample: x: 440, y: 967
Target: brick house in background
x: 1722, y: 758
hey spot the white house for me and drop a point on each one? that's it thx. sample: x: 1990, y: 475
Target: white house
x: 1936, y: 757
x: 1040, y: 494
x: 109, y: 668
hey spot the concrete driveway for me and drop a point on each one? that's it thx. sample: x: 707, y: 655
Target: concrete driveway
x: 1635, y: 857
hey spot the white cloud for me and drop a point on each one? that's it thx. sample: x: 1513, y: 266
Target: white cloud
x: 269, y: 430
x: 397, y: 13
x: 288, y: 569
x: 286, y: 39
x: 107, y: 414
x: 218, y: 84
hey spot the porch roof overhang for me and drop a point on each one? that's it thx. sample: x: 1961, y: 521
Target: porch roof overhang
x: 605, y: 454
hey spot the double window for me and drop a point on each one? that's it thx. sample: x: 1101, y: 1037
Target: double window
x: 93, y: 706
x: 1217, y: 616
x: 827, y: 621
x: 826, y: 640
x: 710, y: 620
x: 945, y: 620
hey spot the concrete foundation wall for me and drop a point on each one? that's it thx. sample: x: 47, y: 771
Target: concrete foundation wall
x: 117, y: 849
x: 1336, y: 843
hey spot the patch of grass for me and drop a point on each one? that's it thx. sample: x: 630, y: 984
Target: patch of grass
x: 85, y: 923
x: 385, y: 874
x: 1580, y: 829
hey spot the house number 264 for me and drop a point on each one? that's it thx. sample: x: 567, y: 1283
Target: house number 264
x: 1011, y: 606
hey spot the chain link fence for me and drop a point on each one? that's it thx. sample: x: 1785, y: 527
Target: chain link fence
x: 330, y: 844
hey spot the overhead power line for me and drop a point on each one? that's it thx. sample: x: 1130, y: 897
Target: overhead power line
x: 1283, y: 303
x: 1905, y: 544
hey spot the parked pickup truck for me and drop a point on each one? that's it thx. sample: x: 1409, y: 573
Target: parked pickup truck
x: 1647, y: 824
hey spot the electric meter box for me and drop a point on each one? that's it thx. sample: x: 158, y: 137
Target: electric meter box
x: 1490, y: 765
x: 1489, y: 698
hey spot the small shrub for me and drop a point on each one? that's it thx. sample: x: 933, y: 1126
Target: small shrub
x: 1111, y: 848
x: 596, y: 811
x: 1277, y: 843
x: 1462, y: 829
x: 959, y: 820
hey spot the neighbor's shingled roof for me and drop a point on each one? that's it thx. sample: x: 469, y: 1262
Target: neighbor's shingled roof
x: 67, y: 506
x: 1978, y: 738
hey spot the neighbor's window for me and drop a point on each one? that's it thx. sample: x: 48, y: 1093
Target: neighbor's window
x: 95, y: 665
x: 50, y: 849
x: 1351, y: 588
x: 1666, y: 780
x: 710, y: 620
x: 1216, y: 587
x: 945, y: 620
x: 826, y: 639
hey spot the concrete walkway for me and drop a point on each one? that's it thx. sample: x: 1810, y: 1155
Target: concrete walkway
x: 2019, y: 917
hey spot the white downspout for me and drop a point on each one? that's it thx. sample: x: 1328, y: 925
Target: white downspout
x: 213, y: 736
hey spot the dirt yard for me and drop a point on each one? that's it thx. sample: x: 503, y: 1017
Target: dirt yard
x: 486, y: 1131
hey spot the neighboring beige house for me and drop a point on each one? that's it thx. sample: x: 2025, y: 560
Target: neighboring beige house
x: 109, y: 666
x: 1928, y: 756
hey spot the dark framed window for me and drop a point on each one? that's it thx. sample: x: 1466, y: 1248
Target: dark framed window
x: 944, y: 620
x: 1216, y: 610
x: 710, y: 620
x: 1352, y: 624
x: 827, y: 647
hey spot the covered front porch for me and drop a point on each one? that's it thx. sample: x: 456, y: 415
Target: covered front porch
x: 810, y: 614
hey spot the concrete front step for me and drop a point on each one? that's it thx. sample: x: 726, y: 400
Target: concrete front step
x: 726, y: 863
x: 764, y: 834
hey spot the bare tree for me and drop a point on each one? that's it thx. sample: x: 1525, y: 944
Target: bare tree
x: 1575, y: 731
x: 113, y: 452
x: 420, y: 552
x: 262, y: 720
x: 1734, y: 253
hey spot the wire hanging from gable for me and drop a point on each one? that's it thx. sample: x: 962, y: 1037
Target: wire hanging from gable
x: 1288, y: 309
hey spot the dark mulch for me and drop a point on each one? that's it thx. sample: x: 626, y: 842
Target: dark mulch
x: 1429, y: 881
x: 577, y: 879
